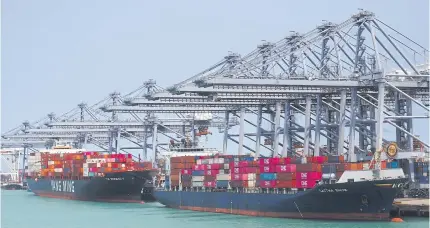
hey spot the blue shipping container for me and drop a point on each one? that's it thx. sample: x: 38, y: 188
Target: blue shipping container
x: 388, y: 165
x: 268, y: 176
x: 394, y: 164
x: 247, y: 159
x: 424, y: 180
x: 198, y: 173
x: 228, y: 160
x: 222, y: 184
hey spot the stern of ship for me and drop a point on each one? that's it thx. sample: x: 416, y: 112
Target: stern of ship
x: 363, y: 200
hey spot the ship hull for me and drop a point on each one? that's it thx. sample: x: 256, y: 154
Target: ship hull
x: 344, y: 201
x: 114, y: 187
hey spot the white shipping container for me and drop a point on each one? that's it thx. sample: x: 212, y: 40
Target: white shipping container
x: 96, y: 160
x: 197, y: 178
x: 236, y: 159
x: 251, y: 184
x: 85, y: 174
x: 85, y: 165
x: 197, y: 184
x: 424, y: 185
x: 221, y: 160
x: 205, y: 161
x: 210, y: 161
x: 199, y: 161
x: 51, y: 162
x: 223, y: 177
x: 226, y: 166
x: 221, y: 171
x: 58, y: 170
x: 252, y: 176
x: 99, y: 165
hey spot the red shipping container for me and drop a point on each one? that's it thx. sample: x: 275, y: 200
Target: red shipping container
x: 209, y: 184
x: 286, y: 184
x: 243, y: 164
x: 269, y: 161
x: 268, y: 184
x: 233, y: 164
x: 318, y: 159
x: 235, y: 170
x: 212, y: 172
x: 264, y: 161
x: 290, y: 168
x: 211, y: 166
x: 198, y: 167
x: 244, y: 177
x: 186, y: 171
x: 267, y: 169
x: 209, y: 178
x: 306, y: 183
x: 308, y: 176
x: 250, y: 170
x: 236, y: 177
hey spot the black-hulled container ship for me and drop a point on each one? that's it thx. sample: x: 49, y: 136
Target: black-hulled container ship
x: 304, y: 188
x: 91, y: 176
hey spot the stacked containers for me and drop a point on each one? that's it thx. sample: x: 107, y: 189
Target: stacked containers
x: 422, y: 174
x: 243, y: 172
x: 88, y: 164
x: 181, y: 171
x: 211, y: 172
x: 34, y: 164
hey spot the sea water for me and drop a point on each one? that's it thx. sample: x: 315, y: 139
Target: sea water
x: 22, y: 209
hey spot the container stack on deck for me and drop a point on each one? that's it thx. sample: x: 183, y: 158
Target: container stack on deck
x: 179, y: 166
x: 421, y: 170
x: 86, y: 164
x: 228, y: 171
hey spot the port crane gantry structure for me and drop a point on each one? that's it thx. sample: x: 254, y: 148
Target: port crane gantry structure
x: 337, y: 76
x: 88, y: 124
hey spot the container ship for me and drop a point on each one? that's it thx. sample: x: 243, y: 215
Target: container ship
x: 324, y: 187
x: 93, y: 176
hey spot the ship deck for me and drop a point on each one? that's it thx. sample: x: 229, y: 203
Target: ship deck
x: 411, y: 207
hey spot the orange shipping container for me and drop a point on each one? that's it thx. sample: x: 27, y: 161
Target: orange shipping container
x: 286, y: 184
x: 383, y: 164
x: 174, y: 177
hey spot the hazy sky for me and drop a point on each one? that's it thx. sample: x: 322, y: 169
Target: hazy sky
x: 56, y: 54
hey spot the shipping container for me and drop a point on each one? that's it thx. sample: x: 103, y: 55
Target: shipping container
x: 198, y: 173
x: 223, y: 177
x: 267, y: 169
x: 306, y: 183
x: 289, y: 168
x: 267, y: 183
x: 209, y: 184
x: 423, y: 179
x: 286, y: 176
x: 267, y: 176
x: 197, y: 184
x: 198, y: 178
x: 222, y: 183
x: 286, y: 184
